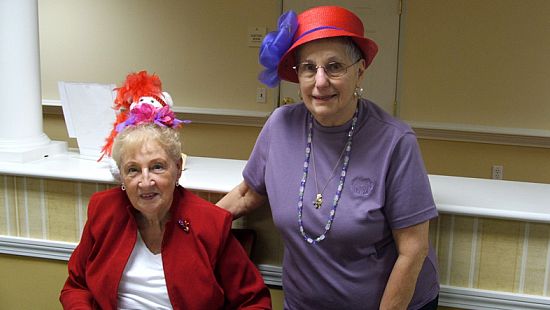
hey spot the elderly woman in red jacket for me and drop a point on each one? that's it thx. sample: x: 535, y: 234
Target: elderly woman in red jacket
x: 151, y: 244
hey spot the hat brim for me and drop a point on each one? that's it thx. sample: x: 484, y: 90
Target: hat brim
x: 287, y: 73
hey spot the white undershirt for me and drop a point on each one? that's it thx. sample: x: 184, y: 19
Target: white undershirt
x: 143, y: 285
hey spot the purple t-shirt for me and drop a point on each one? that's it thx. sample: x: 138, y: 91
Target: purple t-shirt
x: 386, y: 188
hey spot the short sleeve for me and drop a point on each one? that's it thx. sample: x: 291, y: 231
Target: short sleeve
x: 409, y: 199
x: 254, y: 171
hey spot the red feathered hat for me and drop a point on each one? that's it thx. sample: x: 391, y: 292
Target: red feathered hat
x: 136, y: 86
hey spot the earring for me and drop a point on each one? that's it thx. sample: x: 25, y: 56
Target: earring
x: 358, y: 92
x: 300, y: 95
x: 177, y: 183
x: 122, y: 187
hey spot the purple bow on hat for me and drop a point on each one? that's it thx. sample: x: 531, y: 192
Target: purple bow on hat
x: 147, y: 113
x: 274, y: 46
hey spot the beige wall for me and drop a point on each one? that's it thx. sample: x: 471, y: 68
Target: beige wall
x: 31, y: 283
x: 441, y: 157
x: 528, y: 164
x: 476, y: 62
x: 198, y: 48
x: 224, y: 141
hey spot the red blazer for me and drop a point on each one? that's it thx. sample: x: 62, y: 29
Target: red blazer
x: 205, y: 267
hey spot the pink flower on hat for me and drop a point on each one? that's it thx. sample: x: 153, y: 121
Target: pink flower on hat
x: 144, y: 113
x: 147, y: 113
x: 166, y: 118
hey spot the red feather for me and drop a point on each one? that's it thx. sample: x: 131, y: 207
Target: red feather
x: 108, y: 147
x: 137, y: 85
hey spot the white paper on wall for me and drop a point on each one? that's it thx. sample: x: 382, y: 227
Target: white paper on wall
x: 87, y: 108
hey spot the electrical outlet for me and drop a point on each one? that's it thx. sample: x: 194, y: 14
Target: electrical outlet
x: 498, y: 172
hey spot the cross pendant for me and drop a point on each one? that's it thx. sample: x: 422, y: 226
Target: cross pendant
x: 318, y: 201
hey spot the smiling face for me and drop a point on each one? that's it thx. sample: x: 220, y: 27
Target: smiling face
x: 331, y: 100
x: 150, y: 176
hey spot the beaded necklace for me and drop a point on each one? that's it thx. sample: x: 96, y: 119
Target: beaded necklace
x: 318, y: 202
x: 332, y: 213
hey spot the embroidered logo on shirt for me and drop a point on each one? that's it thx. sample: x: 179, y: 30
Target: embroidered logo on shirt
x: 363, y: 186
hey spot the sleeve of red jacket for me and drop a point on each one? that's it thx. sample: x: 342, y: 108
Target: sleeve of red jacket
x: 242, y: 283
x: 75, y: 293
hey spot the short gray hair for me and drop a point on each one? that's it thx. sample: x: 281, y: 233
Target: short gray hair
x: 133, y: 137
x: 352, y: 50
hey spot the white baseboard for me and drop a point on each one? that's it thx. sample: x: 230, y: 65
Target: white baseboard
x: 450, y: 296
x: 471, y: 298
x: 273, y: 275
x: 36, y: 248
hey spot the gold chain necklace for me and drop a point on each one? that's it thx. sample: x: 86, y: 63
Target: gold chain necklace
x: 318, y: 202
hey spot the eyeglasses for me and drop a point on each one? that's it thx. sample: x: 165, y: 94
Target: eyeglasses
x: 333, y: 69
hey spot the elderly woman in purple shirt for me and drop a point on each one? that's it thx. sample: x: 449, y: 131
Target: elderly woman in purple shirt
x: 345, y: 181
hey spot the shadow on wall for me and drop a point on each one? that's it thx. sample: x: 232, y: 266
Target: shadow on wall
x: 269, y: 245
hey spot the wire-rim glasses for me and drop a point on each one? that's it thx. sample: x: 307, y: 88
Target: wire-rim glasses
x: 333, y: 70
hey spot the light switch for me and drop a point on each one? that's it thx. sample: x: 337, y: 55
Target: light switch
x: 260, y: 94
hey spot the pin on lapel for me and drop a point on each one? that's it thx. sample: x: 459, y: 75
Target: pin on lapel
x: 185, y: 225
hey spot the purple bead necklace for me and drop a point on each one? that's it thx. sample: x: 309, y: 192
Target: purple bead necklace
x: 332, y: 213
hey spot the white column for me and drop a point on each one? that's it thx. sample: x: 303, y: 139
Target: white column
x: 21, y: 135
